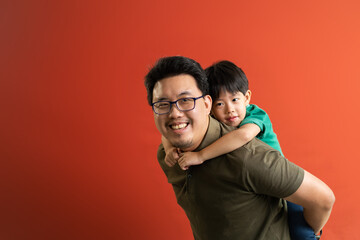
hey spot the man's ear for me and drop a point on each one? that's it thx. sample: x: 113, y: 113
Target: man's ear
x: 208, y: 103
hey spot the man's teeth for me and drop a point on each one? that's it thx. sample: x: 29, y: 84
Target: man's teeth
x: 180, y: 126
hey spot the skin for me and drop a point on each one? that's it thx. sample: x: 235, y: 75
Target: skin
x: 183, y: 130
x: 316, y: 198
x: 230, y: 108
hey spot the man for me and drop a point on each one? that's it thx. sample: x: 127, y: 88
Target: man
x: 239, y: 195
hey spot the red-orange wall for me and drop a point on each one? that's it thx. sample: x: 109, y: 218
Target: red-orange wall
x: 77, y: 138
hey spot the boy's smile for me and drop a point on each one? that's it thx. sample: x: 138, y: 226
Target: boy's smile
x: 234, y: 119
x: 230, y: 108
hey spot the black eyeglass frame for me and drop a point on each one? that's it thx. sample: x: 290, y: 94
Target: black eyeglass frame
x: 175, y: 102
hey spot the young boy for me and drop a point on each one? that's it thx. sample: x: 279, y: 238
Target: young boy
x: 231, y: 98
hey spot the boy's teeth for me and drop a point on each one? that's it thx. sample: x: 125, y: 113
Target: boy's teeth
x: 176, y: 127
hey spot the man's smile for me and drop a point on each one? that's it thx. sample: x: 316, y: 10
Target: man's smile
x: 178, y: 126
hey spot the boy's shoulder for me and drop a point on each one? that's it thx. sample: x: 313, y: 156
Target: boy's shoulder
x: 254, y: 108
x: 255, y: 115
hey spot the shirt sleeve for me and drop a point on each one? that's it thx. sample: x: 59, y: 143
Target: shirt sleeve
x: 257, y: 116
x: 267, y: 172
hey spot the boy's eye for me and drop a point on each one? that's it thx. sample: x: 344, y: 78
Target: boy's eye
x: 235, y: 99
x: 219, y: 104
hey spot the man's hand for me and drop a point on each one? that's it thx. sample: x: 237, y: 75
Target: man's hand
x: 188, y: 159
x: 172, y: 156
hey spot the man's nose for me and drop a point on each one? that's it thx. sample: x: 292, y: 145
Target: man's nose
x: 174, y: 111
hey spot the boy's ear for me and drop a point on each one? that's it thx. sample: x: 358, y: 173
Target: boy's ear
x: 247, y: 97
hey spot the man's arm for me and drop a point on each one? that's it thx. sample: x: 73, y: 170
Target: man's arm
x: 316, y: 198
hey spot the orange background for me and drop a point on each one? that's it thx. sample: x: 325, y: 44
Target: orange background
x: 77, y: 138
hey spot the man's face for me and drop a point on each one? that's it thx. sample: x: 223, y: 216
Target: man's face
x: 184, y: 130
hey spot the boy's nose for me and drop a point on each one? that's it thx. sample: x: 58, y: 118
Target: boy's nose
x: 229, y: 109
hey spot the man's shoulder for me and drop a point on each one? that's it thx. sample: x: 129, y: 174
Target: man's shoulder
x: 215, y: 131
x: 255, y: 151
x: 257, y: 144
x: 221, y: 127
x: 161, y: 151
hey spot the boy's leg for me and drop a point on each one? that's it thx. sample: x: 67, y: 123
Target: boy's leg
x: 299, y: 229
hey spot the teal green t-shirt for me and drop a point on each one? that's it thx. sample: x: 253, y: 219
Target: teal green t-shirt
x: 257, y: 116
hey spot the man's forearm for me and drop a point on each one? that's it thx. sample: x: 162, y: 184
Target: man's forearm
x: 317, y: 218
x: 316, y: 198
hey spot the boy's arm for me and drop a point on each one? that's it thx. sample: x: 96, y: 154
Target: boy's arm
x: 317, y: 200
x: 230, y: 141
x: 223, y: 145
x: 172, y: 154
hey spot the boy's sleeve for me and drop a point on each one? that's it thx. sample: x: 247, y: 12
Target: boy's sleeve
x: 257, y: 116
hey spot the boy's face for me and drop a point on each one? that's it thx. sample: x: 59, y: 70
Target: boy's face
x: 230, y: 108
x: 184, y: 130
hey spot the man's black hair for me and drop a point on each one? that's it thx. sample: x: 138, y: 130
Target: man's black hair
x: 173, y: 66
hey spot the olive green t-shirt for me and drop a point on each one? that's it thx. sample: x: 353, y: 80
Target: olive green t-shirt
x: 237, y: 195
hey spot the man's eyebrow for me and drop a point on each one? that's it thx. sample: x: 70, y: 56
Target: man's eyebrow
x: 161, y: 99
x: 184, y: 93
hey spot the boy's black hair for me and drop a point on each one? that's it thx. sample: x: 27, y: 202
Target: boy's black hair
x: 226, y: 76
x: 173, y: 66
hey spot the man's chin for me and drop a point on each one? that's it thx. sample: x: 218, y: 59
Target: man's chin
x: 183, y: 145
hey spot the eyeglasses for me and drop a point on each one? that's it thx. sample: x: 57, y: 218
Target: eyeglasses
x: 183, y: 104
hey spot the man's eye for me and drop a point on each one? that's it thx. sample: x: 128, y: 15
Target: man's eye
x: 162, y: 105
x: 184, y: 100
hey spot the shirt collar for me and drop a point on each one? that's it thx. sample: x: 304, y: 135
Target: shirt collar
x: 212, y: 134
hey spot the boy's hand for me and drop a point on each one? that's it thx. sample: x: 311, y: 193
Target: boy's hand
x: 172, y: 156
x: 188, y: 159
